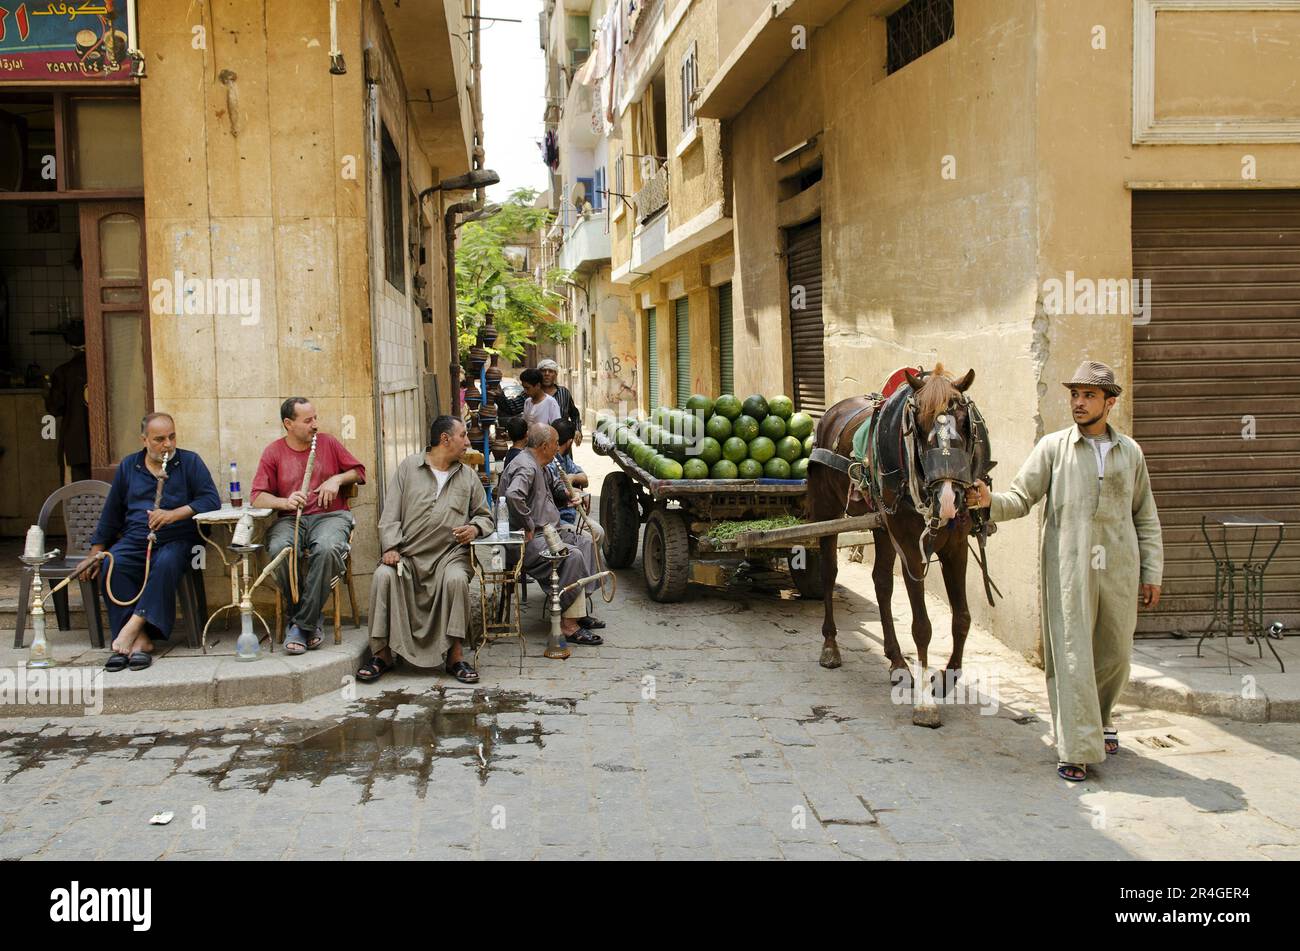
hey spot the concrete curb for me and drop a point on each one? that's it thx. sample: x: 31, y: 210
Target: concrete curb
x: 185, y: 681
x: 1156, y: 690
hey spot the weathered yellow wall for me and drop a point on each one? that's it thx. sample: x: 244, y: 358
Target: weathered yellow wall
x: 243, y: 180
x: 614, y: 378
x: 695, y: 176
x: 917, y: 268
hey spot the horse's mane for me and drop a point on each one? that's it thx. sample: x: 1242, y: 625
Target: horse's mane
x: 933, y: 398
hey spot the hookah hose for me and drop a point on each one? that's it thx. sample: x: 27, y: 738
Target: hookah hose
x: 297, y: 521
x: 608, y: 580
x: 108, y: 573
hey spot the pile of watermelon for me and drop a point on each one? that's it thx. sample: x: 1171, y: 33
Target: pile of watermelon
x: 723, y: 438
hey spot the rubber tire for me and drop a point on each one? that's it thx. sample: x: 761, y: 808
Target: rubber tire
x: 808, y: 580
x: 620, y: 519
x: 666, y: 555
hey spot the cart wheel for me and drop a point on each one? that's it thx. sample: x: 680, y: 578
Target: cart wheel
x: 666, y: 555
x: 620, y: 519
x: 808, y: 579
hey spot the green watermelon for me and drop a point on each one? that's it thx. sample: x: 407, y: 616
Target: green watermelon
x: 701, y: 404
x: 799, y: 469
x: 642, y: 455
x: 670, y: 469
x: 710, y: 450
x: 789, y: 449
x: 695, y: 469
x: 746, y: 427
x: 719, y: 427
x: 781, y: 406
x: 756, y: 407
x: 652, y: 464
x: 750, y: 469
x: 800, y: 426
x: 777, y: 468
x: 724, y: 469
x: 773, y: 427
x: 762, y: 449
x: 735, y: 449
x: 808, y: 445
x: 727, y: 406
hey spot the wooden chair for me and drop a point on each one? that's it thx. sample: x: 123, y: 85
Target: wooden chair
x: 347, y: 492
x: 82, y: 504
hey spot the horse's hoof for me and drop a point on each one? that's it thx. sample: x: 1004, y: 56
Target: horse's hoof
x: 831, y: 656
x: 927, y: 715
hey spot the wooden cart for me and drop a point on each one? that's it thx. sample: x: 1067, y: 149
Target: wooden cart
x: 678, y: 514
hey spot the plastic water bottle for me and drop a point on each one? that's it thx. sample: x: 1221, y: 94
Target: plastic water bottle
x: 503, y: 519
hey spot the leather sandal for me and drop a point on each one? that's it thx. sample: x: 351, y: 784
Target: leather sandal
x: 140, y: 661
x: 591, y: 624
x: 1111, y: 738
x: 463, y: 672
x: 584, y: 638
x: 1072, y: 772
x: 373, y: 669
x: 116, y: 661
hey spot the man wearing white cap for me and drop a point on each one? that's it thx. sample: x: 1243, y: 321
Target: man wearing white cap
x: 550, y: 372
x: 1101, y: 556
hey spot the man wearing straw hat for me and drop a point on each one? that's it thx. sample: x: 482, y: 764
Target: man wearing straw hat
x: 1101, y: 556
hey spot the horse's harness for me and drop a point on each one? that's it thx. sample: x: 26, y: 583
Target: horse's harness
x: 903, y: 467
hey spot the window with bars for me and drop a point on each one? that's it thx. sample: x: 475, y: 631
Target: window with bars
x: 690, y: 87
x: 916, y: 29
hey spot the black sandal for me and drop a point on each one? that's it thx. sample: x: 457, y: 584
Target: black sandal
x: 463, y: 672
x: 591, y: 624
x: 373, y: 669
x: 1072, y: 772
x: 140, y: 661
x: 1111, y: 737
x: 116, y: 661
x: 584, y: 638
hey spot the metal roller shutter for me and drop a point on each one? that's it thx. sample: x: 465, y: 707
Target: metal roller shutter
x: 726, y: 343
x: 1223, y: 344
x: 807, y: 334
x: 682, y: 367
x: 652, y: 343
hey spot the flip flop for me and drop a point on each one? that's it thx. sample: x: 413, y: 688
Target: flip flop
x: 140, y: 661
x: 463, y: 672
x: 116, y: 661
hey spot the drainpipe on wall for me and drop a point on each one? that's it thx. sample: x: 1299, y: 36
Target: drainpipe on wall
x: 449, y: 240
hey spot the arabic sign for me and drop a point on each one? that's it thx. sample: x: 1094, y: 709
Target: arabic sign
x: 63, y: 42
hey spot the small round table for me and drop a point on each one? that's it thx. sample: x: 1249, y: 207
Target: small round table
x: 241, y: 564
x: 497, y: 563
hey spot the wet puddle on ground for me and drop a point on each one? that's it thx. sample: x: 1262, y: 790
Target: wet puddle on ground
x: 397, y: 734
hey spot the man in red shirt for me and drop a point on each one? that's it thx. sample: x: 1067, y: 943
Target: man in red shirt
x: 326, y: 522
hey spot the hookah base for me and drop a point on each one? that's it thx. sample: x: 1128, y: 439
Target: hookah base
x: 42, y: 663
x: 556, y: 653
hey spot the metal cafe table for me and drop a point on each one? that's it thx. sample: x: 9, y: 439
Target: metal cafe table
x: 1239, y: 581
x: 497, y: 563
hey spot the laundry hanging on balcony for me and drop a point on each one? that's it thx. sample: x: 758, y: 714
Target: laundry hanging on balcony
x: 550, y: 147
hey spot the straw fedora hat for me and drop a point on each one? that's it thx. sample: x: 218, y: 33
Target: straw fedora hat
x: 1092, y: 373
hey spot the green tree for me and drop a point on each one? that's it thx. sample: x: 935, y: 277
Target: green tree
x: 488, y: 282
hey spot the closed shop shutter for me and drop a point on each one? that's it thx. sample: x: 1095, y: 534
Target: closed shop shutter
x: 652, y: 342
x: 807, y: 335
x: 683, y: 351
x: 1221, y: 352
x: 726, y: 346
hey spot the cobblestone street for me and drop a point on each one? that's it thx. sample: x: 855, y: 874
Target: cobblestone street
x: 700, y: 730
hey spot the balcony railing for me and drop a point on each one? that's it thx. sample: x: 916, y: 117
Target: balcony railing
x: 653, y: 196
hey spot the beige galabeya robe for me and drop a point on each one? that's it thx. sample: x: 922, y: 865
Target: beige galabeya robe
x: 1101, y: 539
x: 418, y: 611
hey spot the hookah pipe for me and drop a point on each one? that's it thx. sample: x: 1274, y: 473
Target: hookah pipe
x: 106, y: 554
x: 607, y: 590
x: 297, y: 521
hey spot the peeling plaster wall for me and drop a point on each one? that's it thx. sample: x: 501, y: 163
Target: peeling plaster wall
x: 918, y: 268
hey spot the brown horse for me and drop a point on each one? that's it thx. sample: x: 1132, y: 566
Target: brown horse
x: 943, y: 419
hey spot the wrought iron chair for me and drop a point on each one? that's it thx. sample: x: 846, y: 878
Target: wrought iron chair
x: 82, y: 503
